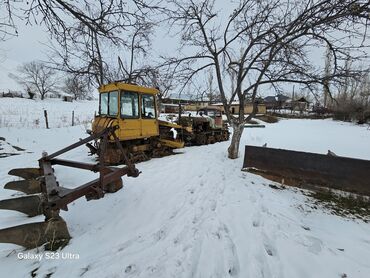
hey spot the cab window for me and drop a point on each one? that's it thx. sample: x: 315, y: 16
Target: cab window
x: 113, y: 104
x: 104, y: 103
x: 109, y: 104
x: 129, y: 105
x: 147, y: 107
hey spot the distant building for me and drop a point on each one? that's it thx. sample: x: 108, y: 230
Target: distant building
x: 12, y: 93
x: 279, y: 101
x: 300, y: 104
x: 188, y: 103
x: 192, y: 103
x: 169, y: 108
x: 248, y: 108
x: 65, y: 96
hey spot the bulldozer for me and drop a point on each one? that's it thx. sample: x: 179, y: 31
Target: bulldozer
x: 134, y: 111
x: 206, y: 127
x: 125, y: 131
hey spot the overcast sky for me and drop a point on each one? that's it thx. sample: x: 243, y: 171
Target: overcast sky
x: 28, y: 46
x: 31, y: 44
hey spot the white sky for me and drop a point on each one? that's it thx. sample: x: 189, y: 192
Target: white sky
x: 28, y: 46
x: 31, y: 40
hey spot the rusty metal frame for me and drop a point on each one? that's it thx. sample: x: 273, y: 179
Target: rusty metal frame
x: 56, y: 197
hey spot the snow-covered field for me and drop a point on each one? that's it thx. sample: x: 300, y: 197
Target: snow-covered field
x: 196, y: 214
x: 21, y: 113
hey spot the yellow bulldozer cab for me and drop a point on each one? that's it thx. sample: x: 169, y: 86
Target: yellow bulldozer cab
x: 133, y: 108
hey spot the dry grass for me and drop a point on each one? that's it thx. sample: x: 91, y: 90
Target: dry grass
x: 267, y: 118
x: 345, y: 205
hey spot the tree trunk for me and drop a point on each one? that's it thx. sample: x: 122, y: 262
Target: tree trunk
x: 235, y: 141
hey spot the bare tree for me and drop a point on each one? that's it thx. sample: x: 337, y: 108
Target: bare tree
x: 161, y: 78
x: 91, y: 55
x: 86, y: 32
x: 328, y: 70
x: 36, y: 77
x: 135, y: 68
x: 76, y: 86
x: 353, y: 98
x: 262, y: 43
x: 212, y: 93
x: 7, y: 25
x: 89, y: 51
x: 107, y: 18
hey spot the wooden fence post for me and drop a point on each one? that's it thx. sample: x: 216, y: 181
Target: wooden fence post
x: 73, y: 118
x: 46, y: 119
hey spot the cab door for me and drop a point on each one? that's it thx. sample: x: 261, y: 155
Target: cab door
x: 149, y: 123
x: 129, y: 122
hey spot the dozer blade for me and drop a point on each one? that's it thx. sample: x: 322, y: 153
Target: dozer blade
x: 310, y: 169
x: 26, y: 173
x: 30, y: 205
x: 53, y: 232
x: 26, y: 186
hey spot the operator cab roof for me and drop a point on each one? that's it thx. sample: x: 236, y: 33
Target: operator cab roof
x: 114, y: 86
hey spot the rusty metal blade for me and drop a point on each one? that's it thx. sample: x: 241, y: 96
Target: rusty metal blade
x: 26, y: 173
x: 335, y: 172
x: 26, y: 186
x: 30, y: 205
x: 53, y: 232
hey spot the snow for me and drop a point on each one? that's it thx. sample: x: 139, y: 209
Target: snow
x: 26, y: 113
x: 196, y: 214
x: 173, y: 117
x: 344, y: 139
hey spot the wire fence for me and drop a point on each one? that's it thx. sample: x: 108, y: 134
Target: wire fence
x: 40, y: 121
x: 45, y: 115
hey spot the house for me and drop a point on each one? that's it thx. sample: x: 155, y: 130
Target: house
x: 279, y: 101
x: 169, y: 108
x: 62, y: 95
x: 67, y: 98
x: 248, y: 108
x: 300, y: 104
x: 188, y: 102
x: 270, y: 102
x: 194, y: 103
x: 12, y: 94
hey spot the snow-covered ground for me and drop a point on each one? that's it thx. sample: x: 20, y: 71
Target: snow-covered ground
x: 21, y: 112
x: 196, y: 214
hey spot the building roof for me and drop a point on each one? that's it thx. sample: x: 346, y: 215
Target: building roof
x: 63, y: 94
x: 282, y: 97
x: 189, y: 97
x: 302, y: 99
x: 277, y: 98
x: 169, y: 105
x: 220, y: 103
x: 270, y: 99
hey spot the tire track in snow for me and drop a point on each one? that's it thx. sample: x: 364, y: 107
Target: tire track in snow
x: 263, y: 229
x: 190, y: 227
x: 209, y: 230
